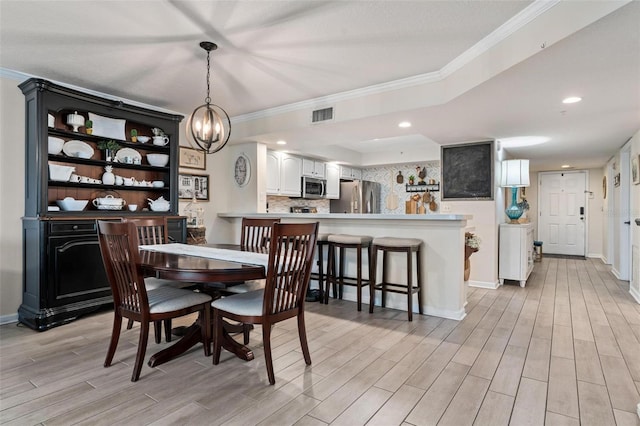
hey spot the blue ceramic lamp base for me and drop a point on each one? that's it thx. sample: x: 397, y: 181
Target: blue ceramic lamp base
x: 513, y: 211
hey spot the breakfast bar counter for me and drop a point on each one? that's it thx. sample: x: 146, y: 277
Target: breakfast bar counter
x: 442, y: 254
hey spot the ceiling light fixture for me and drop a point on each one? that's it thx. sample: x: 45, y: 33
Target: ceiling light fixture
x: 404, y: 124
x: 281, y: 143
x: 566, y: 166
x: 209, y: 126
x: 571, y: 100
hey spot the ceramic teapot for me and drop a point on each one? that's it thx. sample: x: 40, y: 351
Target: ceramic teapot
x: 159, y: 205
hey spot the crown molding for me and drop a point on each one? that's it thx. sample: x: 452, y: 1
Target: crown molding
x: 528, y: 14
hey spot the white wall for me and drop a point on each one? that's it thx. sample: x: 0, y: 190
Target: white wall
x: 635, y: 229
x: 12, y: 172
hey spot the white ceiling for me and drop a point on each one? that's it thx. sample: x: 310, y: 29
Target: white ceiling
x: 458, y: 70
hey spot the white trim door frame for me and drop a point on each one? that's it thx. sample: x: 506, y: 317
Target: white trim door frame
x: 563, y: 219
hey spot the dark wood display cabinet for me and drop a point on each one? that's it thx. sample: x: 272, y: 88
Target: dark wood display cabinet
x: 63, y: 272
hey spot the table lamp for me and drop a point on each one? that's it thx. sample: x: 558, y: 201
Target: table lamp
x: 515, y: 174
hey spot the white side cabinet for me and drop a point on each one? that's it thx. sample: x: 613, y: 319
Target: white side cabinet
x: 283, y: 174
x: 333, y: 181
x: 515, y: 260
x: 350, y: 173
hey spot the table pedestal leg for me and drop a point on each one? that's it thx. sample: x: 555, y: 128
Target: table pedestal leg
x: 193, y: 336
x: 231, y: 345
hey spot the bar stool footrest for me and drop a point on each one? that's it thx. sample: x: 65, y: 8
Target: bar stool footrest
x: 350, y: 281
x: 396, y: 288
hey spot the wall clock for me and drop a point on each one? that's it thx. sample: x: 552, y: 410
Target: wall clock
x: 242, y: 170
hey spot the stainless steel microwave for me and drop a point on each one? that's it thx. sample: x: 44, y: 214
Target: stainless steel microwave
x: 313, y: 187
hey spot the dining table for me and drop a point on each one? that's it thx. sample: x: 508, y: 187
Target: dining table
x: 194, y: 264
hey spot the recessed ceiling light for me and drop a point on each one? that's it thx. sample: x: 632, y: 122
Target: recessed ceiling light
x: 518, y: 141
x: 404, y: 124
x: 566, y: 166
x: 281, y: 142
x: 571, y: 100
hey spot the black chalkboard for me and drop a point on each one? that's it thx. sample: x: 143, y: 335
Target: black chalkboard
x: 467, y: 171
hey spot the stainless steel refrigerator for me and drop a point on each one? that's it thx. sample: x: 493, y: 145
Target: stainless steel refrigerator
x: 358, y: 196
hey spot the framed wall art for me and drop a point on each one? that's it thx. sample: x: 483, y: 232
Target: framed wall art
x: 467, y: 171
x: 193, y: 185
x: 635, y: 171
x: 616, y: 179
x: 192, y: 158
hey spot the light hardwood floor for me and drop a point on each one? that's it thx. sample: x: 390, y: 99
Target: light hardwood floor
x: 563, y: 351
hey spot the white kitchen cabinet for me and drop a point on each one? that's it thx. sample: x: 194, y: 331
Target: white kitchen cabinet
x: 350, y: 173
x: 283, y: 174
x: 333, y: 181
x: 313, y: 168
x: 515, y: 261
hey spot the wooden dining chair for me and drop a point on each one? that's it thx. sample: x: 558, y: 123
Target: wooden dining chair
x: 255, y: 235
x: 155, y: 230
x: 132, y: 300
x: 291, y: 252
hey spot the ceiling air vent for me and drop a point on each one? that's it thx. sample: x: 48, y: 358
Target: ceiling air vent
x: 320, y: 115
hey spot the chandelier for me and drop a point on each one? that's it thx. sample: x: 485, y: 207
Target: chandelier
x: 208, y: 127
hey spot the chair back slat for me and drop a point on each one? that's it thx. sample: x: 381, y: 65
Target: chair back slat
x: 290, y: 259
x: 119, y: 248
x: 256, y: 233
x: 152, y: 230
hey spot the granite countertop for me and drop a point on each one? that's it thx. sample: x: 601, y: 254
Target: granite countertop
x: 404, y: 217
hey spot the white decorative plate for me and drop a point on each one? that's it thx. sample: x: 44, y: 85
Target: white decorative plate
x: 107, y: 127
x: 77, y: 149
x: 128, y: 152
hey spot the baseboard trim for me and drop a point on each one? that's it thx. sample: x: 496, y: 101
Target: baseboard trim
x: 8, y: 319
x: 635, y: 294
x: 596, y: 256
x: 485, y: 284
x: 445, y: 313
x: 615, y: 273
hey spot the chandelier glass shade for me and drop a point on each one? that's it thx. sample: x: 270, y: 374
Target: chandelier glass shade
x: 209, y: 126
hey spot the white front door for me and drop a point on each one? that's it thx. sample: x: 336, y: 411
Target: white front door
x: 562, y: 202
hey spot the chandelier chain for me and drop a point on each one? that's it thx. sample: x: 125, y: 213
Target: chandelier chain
x: 208, y: 98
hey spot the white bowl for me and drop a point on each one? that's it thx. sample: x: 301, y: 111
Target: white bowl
x: 143, y: 139
x: 60, y: 173
x: 55, y: 145
x: 71, y: 204
x: 157, y: 184
x: 158, y: 160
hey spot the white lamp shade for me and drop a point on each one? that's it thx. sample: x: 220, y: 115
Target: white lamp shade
x: 515, y: 173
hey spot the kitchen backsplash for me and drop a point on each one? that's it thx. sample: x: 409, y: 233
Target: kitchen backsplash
x: 278, y: 204
x: 385, y: 175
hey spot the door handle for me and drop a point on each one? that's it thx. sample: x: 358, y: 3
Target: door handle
x: 628, y: 222
x: 581, y: 211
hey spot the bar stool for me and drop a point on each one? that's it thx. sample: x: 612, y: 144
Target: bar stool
x: 537, y: 248
x: 320, y: 276
x: 402, y: 245
x: 343, y: 242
